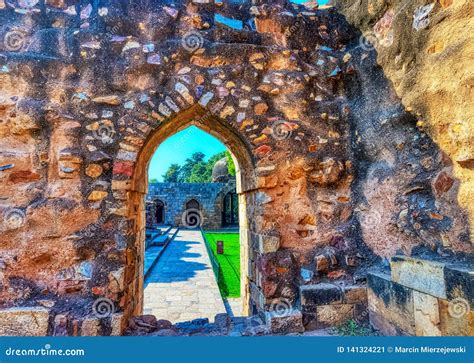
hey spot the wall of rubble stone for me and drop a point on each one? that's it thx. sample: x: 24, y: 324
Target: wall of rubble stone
x: 424, y: 49
x: 174, y: 196
x: 335, y: 175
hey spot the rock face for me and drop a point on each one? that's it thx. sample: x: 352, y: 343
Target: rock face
x: 24, y: 322
x: 334, y: 172
x: 426, y: 52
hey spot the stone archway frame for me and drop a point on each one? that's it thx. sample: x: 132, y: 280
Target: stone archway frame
x: 246, y: 182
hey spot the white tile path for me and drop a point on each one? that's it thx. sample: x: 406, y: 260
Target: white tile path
x: 182, y: 285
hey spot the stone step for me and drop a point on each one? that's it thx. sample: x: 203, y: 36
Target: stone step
x: 439, y: 279
x: 398, y: 309
x: 328, y: 304
x: 154, y: 251
x: 284, y: 322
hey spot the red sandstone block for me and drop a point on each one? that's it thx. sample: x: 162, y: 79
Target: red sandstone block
x: 124, y: 168
x: 23, y: 176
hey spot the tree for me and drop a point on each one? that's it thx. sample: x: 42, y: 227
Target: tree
x: 186, y: 169
x: 173, y: 174
x: 196, y: 169
x: 153, y: 180
x: 198, y: 173
x: 230, y: 163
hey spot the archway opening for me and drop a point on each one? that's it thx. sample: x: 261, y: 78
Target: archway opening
x: 243, y: 177
x: 230, y: 215
x: 160, y: 212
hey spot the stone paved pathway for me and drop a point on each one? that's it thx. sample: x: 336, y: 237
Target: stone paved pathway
x: 153, y: 253
x: 182, y: 286
x: 234, y: 306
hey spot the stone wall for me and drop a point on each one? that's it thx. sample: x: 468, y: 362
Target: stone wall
x: 423, y: 298
x: 210, y: 197
x: 334, y: 176
x: 424, y: 49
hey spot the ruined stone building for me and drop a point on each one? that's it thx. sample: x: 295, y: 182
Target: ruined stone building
x: 211, y: 205
x: 351, y: 128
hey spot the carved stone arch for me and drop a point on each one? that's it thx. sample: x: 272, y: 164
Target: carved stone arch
x: 246, y: 182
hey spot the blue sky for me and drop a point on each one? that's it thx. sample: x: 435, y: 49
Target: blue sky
x: 177, y: 148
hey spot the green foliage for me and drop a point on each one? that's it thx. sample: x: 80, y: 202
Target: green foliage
x: 230, y: 163
x: 198, y: 173
x: 172, y: 174
x: 229, y: 262
x: 187, y: 168
x: 353, y: 328
x: 195, y: 169
x: 153, y: 180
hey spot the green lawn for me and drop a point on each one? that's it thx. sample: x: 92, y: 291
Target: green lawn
x: 229, y: 276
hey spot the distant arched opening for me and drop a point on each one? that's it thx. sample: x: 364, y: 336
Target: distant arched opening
x: 192, y: 204
x: 230, y: 213
x: 160, y: 212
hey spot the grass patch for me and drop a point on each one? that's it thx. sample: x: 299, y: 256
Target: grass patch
x: 229, y: 276
x: 352, y: 328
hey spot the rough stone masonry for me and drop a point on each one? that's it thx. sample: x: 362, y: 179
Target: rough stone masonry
x: 337, y: 176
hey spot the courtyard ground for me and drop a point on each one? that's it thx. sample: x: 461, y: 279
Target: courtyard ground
x: 181, y: 286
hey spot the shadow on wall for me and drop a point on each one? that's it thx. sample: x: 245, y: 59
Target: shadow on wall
x: 405, y: 194
x: 174, y: 264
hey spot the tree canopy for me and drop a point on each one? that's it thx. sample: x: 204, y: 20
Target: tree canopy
x: 196, y: 169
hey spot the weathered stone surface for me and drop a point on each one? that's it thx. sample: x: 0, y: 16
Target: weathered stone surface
x: 426, y: 314
x: 333, y: 315
x: 391, y: 308
x: 94, y: 170
x: 455, y: 318
x: 355, y: 294
x: 24, y: 322
x: 117, y: 324
x: 110, y: 100
x: 321, y: 294
x: 329, y: 158
x: 290, y: 321
x: 222, y: 321
x: 459, y: 282
x: 402, y: 46
x: 422, y: 275
x: 91, y: 327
